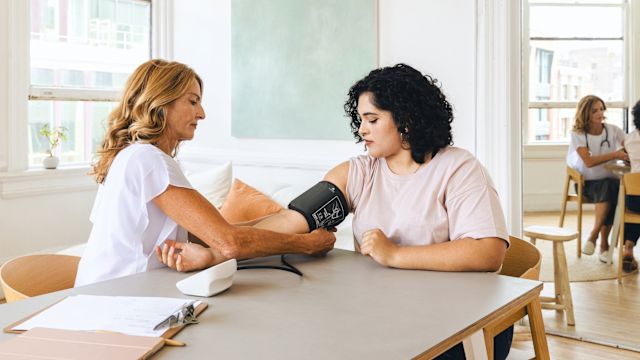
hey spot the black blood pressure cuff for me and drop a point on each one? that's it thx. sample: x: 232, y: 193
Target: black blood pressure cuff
x: 323, y: 205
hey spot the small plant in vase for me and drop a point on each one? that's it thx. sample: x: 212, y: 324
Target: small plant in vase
x: 54, y: 136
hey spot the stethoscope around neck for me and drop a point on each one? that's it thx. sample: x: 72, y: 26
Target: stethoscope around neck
x: 605, y: 141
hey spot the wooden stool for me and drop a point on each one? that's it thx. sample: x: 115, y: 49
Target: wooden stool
x: 563, y: 299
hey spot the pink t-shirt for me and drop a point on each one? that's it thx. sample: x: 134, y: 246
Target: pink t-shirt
x: 450, y: 198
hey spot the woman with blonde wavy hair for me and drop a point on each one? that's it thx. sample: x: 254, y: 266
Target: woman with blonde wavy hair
x: 144, y: 199
x: 593, y: 143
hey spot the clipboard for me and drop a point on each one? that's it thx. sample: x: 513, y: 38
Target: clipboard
x: 168, y: 334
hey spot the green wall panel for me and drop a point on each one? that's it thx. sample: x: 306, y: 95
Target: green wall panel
x: 292, y: 63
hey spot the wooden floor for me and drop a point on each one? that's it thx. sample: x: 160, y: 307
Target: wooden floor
x: 566, y: 349
x: 601, y: 306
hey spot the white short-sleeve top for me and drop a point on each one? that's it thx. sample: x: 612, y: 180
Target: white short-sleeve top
x: 632, y: 145
x: 449, y: 198
x: 610, y: 140
x: 127, y: 225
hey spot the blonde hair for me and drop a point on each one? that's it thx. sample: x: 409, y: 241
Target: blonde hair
x: 583, y: 113
x: 140, y: 115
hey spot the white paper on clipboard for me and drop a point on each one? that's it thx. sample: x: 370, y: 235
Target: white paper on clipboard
x: 123, y: 314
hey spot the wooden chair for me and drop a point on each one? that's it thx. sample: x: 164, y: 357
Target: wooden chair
x: 574, y: 176
x: 521, y: 260
x: 630, y: 185
x: 34, y: 275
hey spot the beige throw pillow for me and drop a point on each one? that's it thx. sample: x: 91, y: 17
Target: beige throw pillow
x: 245, y: 203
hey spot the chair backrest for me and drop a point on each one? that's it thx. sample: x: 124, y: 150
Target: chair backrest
x: 575, y: 176
x: 631, y: 183
x: 33, y: 275
x: 576, y: 195
x: 521, y: 260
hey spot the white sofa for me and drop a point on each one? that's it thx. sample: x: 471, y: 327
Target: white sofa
x: 282, y: 185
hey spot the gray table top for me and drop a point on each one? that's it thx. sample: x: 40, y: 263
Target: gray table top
x: 346, y: 306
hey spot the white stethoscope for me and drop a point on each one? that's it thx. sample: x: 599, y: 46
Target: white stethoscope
x: 605, y: 141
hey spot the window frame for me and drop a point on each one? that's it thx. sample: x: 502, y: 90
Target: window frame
x: 79, y: 95
x: 56, y: 93
x: 16, y: 178
x: 627, y: 39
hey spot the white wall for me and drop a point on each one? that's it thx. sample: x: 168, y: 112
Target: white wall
x: 436, y: 37
x: 202, y: 36
x: 36, y: 223
x: 543, y: 173
x: 4, y: 77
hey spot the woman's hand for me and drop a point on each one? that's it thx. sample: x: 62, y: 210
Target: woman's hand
x: 377, y: 245
x: 187, y: 256
x: 319, y: 241
x: 622, y: 155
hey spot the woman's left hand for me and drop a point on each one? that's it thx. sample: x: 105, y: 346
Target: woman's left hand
x: 186, y: 256
x: 377, y: 245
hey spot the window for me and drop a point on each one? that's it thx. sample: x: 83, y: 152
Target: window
x: 570, y: 57
x: 81, y: 53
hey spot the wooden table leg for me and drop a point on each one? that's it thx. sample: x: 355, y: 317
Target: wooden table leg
x: 538, y: 335
x: 474, y: 347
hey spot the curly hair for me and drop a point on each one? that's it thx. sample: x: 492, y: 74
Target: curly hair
x: 583, y: 113
x: 635, y: 113
x: 419, y: 109
x: 140, y: 114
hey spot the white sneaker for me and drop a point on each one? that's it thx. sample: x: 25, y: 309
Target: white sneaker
x: 604, y: 256
x: 588, y: 248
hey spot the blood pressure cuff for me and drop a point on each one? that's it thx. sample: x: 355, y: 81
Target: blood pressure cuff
x: 323, y: 205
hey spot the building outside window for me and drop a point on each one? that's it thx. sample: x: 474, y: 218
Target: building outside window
x: 576, y: 48
x: 81, y: 53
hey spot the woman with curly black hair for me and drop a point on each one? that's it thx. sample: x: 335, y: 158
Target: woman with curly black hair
x: 418, y: 202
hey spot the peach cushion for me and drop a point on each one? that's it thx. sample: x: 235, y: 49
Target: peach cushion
x: 245, y: 203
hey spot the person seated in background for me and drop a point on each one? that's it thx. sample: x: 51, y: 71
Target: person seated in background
x: 593, y: 143
x: 418, y: 202
x: 145, y: 199
x: 632, y: 231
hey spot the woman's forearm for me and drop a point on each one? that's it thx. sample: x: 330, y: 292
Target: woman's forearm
x: 592, y: 161
x: 195, y: 214
x: 467, y: 254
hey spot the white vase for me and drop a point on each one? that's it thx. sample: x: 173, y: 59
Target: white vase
x: 50, y: 162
